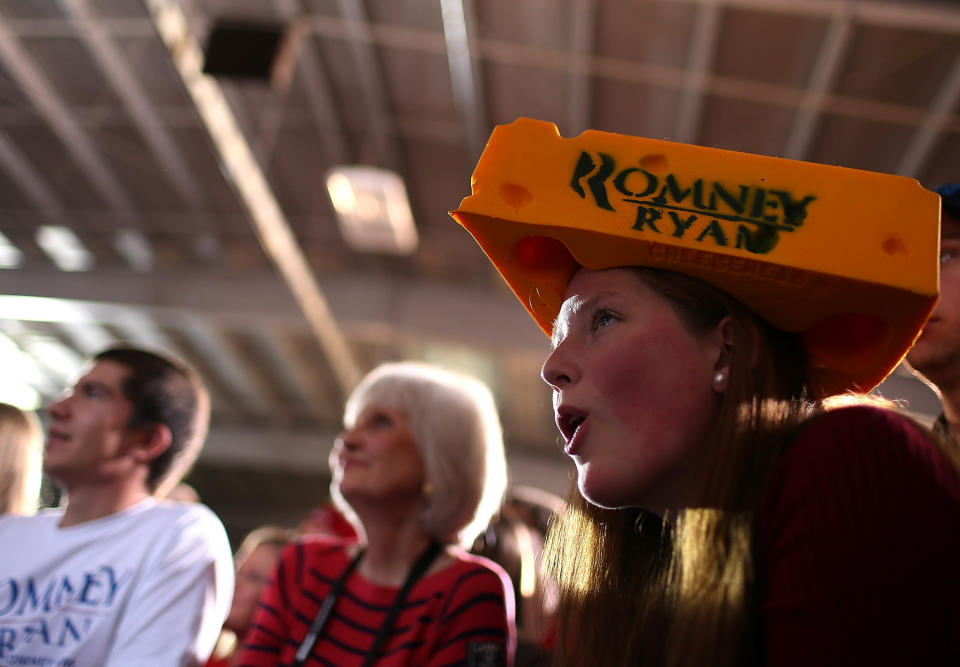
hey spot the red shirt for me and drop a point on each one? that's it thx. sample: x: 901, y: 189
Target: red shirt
x: 459, y: 615
x: 858, y: 542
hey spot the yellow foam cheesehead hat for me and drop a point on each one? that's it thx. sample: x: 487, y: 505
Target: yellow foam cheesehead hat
x: 847, y: 257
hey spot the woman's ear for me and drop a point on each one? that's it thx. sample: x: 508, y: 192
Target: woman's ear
x: 744, y: 333
x: 722, y: 338
x: 156, y: 439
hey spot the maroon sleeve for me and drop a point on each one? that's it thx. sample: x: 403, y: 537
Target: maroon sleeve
x: 858, y: 547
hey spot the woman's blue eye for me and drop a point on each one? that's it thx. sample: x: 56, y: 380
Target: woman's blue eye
x: 601, y: 319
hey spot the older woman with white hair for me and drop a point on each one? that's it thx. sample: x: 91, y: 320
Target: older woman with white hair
x: 419, y: 470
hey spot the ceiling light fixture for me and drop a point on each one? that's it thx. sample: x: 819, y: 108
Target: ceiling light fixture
x: 372, y: 208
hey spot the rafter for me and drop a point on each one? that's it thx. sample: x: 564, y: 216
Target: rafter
x: 579, y: 90
x: 472, y: 316
x: 699, y: 65
x: 269, y: 221
x: 468, y: 95
x: 824, y: 73
x: 117, y: 70
x: 938, y: 116
x: 316, y: 85
x: 43, y: 95
x: 380, y: 122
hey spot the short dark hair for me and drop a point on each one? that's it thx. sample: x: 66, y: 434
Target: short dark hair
x: 166, y: 391
x: 950, y: 198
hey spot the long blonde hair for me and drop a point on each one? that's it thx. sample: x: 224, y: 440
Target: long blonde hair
x: 21, y: 458
x: 635, y: 590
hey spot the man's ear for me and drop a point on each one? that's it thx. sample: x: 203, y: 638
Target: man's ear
x: 155, y: 440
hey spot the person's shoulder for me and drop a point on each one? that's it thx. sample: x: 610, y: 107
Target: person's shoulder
x: 477, y: 570
x: 28, y: 523
x: 181, y: 527
x: 468, y: 562
x: 308, y: 549
x: 322, y: 544
x: 859, y: 428
x: 179, y: 514
x: 865, y: 446
x: 861, y: 415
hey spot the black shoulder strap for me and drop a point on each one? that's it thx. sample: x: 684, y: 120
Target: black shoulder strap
x: 324, y: 613
x: 419, y: 568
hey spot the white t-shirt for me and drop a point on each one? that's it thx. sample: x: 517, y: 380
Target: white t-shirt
x: 149, y: 586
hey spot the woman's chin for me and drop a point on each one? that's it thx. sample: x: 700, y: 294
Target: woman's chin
x: 600, y: 497
x: 604, y: 494
x: 377, y: 500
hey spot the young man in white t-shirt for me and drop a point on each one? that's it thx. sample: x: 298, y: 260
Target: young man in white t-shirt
x: 118, y: 577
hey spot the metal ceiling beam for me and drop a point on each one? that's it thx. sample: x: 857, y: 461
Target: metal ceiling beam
x: 60, y: 27
x: 618, y: 69
x: 21, y: 171
x: 30, y: 370
x: 579, y: 89
x: 55, y: 111
x: 938, y: 115
x: 140, y: 328
x: 87, y: 338
x: 829, y: 58
x: 316, y: 85
x: 210, y: 345
x: 380, y: 121
x: 294, y: 376
x: 699, y: 64
x: 907, y: 15
x: 116, y: 68
x: 937, y: 17
x: 468, y: 96
x: 269, y: 221
x: 472, y: 316
x: 269, y: 448
x: 269, y: 125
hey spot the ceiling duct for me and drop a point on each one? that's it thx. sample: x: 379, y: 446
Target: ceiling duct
x: 251, y: 50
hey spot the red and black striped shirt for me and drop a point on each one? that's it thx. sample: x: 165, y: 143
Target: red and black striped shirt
x: 460, y: 615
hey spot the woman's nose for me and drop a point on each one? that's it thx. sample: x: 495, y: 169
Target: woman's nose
x: 348, y: 439
x: 559, y: 369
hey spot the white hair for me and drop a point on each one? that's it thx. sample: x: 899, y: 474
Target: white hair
x: 453, y: 419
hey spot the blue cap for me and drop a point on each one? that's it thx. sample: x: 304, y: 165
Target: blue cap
x: 950, y: 198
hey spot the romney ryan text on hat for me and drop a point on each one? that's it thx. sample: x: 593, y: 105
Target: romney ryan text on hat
x: 847, y: 257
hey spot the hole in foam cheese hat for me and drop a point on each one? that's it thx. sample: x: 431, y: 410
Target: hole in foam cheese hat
x: 846, y: 257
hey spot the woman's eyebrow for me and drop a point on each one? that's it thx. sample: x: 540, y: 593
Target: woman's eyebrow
x: 569, y: 313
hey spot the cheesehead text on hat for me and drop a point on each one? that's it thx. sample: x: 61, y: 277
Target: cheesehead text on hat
x: 847, y: 257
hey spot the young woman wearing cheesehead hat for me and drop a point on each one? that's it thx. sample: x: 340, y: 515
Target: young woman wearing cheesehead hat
x: 707, y: 309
